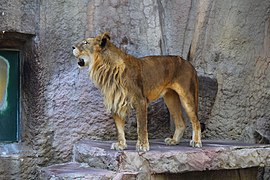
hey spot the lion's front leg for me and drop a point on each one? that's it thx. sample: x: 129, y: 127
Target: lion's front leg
x: 120, y: 126
x: 141, y: 113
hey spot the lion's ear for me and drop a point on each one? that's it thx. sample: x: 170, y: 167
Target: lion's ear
x: 104, y: 39
x: 107, y: 35
x: 103, y: 42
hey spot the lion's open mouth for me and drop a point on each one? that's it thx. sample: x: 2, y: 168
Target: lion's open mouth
x: 81, y: 62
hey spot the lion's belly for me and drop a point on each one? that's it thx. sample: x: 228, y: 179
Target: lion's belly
x: 156, y: 93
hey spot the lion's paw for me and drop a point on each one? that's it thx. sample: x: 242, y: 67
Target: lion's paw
x: 170, y: 141
x: 142, y: 147
x: 195, y: 144
x: 118, y: 146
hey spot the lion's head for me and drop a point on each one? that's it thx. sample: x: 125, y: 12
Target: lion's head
x: 84, y: 50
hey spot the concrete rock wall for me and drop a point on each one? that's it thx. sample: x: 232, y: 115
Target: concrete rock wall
x: 18, y: 16
x: 228, y: 42
x: 231, y: 43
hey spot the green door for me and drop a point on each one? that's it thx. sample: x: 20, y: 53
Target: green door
x: 9, y: 95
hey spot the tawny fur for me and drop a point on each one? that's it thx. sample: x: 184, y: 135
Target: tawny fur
x: 108, y: 77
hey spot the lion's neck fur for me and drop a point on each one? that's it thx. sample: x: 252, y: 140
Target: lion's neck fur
x: 107, y: 72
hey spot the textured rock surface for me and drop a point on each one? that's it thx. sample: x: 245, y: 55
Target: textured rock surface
x: 235, y: 50
x: 262, y: 133
x: 95, y: 160
x: 18, y: 16
x: 75, y: 171
x: 229, y: 43
x: 17, y: 161
x: 208, y: 88
x: 235, y: 174
x: 81, y: 171
x: 173, y: 159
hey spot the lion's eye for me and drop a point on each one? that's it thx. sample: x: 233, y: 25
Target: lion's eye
x: 85, y: 42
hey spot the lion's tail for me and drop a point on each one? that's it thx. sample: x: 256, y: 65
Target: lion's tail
x: 196, y: 95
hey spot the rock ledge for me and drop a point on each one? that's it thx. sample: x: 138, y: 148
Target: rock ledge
x: 214, y: 155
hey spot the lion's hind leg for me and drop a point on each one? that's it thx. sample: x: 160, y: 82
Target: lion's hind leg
x: 173, y: 103
x: 120, y: 125
x: 189, y: 101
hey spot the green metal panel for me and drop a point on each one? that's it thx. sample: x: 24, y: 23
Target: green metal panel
x: 9, y: 95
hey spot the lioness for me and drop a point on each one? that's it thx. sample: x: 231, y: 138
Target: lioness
x: 129, y: 82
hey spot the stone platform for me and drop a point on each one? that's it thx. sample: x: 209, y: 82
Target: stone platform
x: 97, y: 157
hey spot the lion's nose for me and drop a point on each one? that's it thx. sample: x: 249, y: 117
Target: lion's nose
x: 73, y: 47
